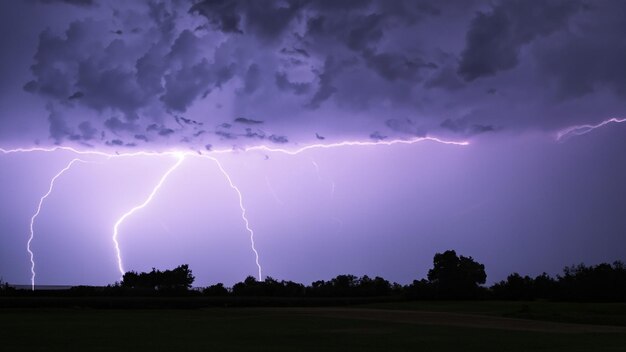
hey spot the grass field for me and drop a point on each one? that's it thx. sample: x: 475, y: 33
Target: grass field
x: 433, y: 326
x: 567, y: 312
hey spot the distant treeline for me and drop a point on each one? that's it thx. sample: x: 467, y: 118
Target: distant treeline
x: 452, y: 277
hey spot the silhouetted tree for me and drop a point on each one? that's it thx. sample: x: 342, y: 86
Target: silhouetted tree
x: 420, y: 289
x: 269, y: 287
x: 603, y: 282
x: 545, y: 287
x: 178, y: 279
x: 217, y: 290
x: 456, y: 277
x: 4, y: 286
x: 515, y: 287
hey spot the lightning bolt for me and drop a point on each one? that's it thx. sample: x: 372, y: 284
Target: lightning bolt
x: 319, y: 177
x: 243, y: 215
x: 352, y: 144
x: 579, y: 130
x: 116, y: 227
x: 32, y: 220
x: 180, y: 155
x: 273, y: 191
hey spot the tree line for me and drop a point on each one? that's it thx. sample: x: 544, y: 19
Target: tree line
x: 451, y: 277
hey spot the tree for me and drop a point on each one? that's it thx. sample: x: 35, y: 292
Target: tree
x: 456, y: 277
x: 516, y: 287
x: 178, y: 279
x: 602, y: 282
x: 216, y: 290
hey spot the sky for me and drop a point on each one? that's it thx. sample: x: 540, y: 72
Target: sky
x: 201, y: 125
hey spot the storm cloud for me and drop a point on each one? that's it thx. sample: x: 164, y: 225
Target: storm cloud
x: 443, y: 66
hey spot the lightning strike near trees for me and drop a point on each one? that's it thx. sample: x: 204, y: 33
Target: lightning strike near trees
x: 579, y: 130
x: 120, y: 264
x: 32, y: 220
x: 243, y: 215
x: 180, y: 155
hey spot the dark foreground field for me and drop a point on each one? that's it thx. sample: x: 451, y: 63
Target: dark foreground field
x: 434, y: 326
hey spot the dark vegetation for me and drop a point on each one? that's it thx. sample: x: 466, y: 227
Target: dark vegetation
x: 450, y: 310
x: 452, y: 277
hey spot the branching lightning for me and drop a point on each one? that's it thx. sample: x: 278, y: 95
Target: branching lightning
x: 120, y: 264
x: 181, y: 155
x: 579, y: 130
x: 32, y: 220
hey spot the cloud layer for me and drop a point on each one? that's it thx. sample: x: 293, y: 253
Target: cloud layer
x: 179, y: 71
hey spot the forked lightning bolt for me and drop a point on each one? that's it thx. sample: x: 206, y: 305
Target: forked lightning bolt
x: 116, y: 227
x: 579, y: 130
x: 32, y: 220
x: 180, y: 155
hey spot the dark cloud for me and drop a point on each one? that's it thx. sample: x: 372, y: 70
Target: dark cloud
x: 263, y: 18
x: 115, y: 142
x: 365, y: 32
x: 190, y: 121
x: 168, y: 67
x: 380, y: 61
x: 377, y: 136
x: 254, y: 134
x: 461, y: 126
x: 298, y: 88
x: 193, y: 75
x: 446, y: 78
x: 71, y: 2
x: 141, y: 137
x: 495, y: 38
x: 394, y: 66
x: 164, y: 131
x: 222, y: 14
x: 591, y: 58
x: 406, y: 126
x: 87, y: 131
x: 152, y: 127
x: 226, y: 135
x: 252, y: 79
x: 247, y: 121
x: 278, y: 139
x: 116, y: 125
x: 76, y: 95
x: 332, y: 68
x: 59, y: 129
x: 295, y: 51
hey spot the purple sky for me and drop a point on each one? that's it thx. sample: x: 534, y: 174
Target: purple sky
x: 122, y: 77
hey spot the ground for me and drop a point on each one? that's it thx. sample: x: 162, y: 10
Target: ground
x: 433, y: 326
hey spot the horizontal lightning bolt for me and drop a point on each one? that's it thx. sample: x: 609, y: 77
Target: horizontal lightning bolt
x: 232, y: 150
x: 579, y: 130
x: 353, y: 143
